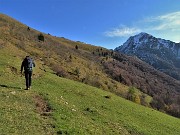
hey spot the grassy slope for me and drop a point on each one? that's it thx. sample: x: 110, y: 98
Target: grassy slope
x: 76, y: 107
x: 56, y: 53
x: 17, y: 107
x: 96, y: 114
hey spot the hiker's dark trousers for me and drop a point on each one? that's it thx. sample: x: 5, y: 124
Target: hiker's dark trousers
x: 28, y: 76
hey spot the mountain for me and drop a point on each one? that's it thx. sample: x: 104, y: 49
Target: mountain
x: 162, y: 54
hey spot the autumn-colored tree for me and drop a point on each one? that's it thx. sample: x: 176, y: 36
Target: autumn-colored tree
x: 137, y: 99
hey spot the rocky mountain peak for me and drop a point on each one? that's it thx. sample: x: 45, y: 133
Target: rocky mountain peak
x: 160, y: 53
x: 147, y: 41
x: 142, y: 36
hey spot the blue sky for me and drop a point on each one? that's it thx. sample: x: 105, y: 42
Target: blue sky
x: 106, y: 23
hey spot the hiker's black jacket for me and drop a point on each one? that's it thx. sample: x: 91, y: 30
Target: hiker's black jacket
x: 25, y: 64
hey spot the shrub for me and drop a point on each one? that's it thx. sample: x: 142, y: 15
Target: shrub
x: 41, y: 37
x: 28, y: 29
x: 59, y: 71
x: 158, y: 103
x: 77, y: 71
x: 137, y: 99
x: 76, y: 47
x: 133, y: 95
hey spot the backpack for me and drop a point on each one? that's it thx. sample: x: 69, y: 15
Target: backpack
x: 29, y: 64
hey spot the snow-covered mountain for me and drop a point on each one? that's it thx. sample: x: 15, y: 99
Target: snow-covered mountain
x: 162, y: 54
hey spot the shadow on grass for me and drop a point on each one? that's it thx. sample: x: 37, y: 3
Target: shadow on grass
x: 12, y: 87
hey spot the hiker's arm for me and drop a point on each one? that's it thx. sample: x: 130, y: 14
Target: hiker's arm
x: 34, y: 64
x: 22, y: 65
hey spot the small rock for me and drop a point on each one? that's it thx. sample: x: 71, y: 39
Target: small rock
x: 73, y: 110
x: 13, y: 92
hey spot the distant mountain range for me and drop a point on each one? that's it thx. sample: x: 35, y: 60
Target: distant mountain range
x: 162, y: 54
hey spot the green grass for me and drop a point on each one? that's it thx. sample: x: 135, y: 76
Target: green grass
x: 18, y: 115
x: 96, y: 114
x: 76, y: 109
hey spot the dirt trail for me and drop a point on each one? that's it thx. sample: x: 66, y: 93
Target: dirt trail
x: 42, y: 106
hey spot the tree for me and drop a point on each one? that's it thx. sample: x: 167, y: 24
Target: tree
x: 77, y: 71
x: 76, y: 47
x: 137, y: 99
x: 28, y: 29
x: 41, y: 37
x: 131, y: 94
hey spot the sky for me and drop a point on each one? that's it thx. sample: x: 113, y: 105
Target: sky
x: 105, y: 23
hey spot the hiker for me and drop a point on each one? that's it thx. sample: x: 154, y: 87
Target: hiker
x: 28, y: 65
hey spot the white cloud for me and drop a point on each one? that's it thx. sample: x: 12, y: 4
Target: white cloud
x: 122, y: 31
x: 170, y: 21
x: 164, y: 26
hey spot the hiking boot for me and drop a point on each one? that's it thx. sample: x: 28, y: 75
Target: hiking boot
x: 27, y: 88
